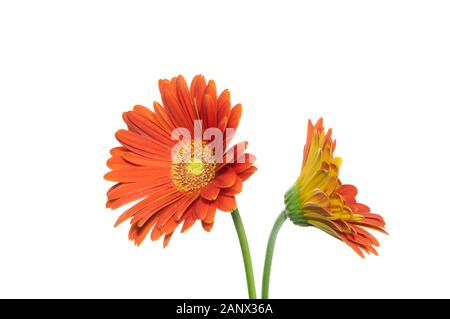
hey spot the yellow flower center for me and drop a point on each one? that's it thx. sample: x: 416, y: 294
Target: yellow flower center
x: 193, y: 167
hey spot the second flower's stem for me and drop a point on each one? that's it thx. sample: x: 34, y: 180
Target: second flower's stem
x: 269, y: 254
x: 245, y: 253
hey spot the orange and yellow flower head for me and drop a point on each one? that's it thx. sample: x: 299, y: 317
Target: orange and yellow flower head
x: 318, y: 197
x: 174, y: 183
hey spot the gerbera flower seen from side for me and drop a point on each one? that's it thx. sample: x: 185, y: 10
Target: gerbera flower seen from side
x: 318, y: 198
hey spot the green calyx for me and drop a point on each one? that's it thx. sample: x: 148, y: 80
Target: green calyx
x: 293, y: 207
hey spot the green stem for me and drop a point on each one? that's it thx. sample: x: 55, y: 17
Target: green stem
x: 269, y: 254
x: 245, y: 253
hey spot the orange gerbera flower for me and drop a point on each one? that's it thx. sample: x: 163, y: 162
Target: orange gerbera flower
x: 318, y: 198
x: 177, y: 182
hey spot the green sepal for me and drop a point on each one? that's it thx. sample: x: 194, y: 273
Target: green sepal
x: 293, y: 207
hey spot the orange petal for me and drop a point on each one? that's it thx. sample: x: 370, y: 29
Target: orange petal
x: 150, y: 128
x: 175, y: 212
x: 211, y: 213
x: 162, y: 117
x: 353, y: 246
x: 225, y: 178
x: 156, y: 207
x: 170, y: 226
x: 143, y: 145
x: 211, y: 90
x: 226, y: 203
x: 145, y: 112
x: 233, y: 153
x: 210, y: 191
x: 358, y: 239
x: 223, y: 104
x: 207, y: 227
x: 178, y: 115
x: 167, y: 239
x: 149, y: 204
x: 188, y: 222
x: 117, y: 162
x: 134, y: 140
x: 372, y: 250
x: 309, y: 137
x: 359, y: 208
x: 247, y: 173
x: 366, y: 234
x: 117, y: 151
x: 138, y: 234
x: 244, y: 162
x: 201, y: 208
x: 348, y: 191
x: 166, y: 85
x: 235, y: 116
x: 319, y: 125
x: 116, y: 202
x: 198, y: 86
x: 125, y: 189
x: 185, y: 98
x: 223, y: 108
x: 235, y: 189
x: 137, y: 159
x: 155, y: 234
x: 137, y: 173
x: 209, y: 111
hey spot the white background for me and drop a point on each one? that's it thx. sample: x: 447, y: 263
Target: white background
x: 378, y: 71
